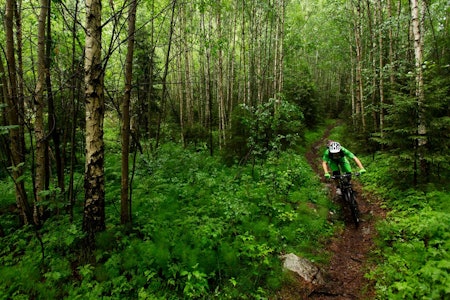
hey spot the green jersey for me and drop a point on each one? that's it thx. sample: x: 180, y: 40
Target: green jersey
x: 339, y: 161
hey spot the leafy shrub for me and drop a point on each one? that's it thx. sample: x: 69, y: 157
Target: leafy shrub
x: 417, y: 264
x: 414, y: 249
x: 216, y: 222
x: 411, y: 260
x: 270, y: 127
x: 201, y: 230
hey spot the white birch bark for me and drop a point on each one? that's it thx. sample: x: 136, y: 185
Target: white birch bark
x: 94, y: 205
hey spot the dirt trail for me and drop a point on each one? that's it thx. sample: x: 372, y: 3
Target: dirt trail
x: 350, y: 248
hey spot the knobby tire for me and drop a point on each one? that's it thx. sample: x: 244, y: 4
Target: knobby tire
x: 354, y: 208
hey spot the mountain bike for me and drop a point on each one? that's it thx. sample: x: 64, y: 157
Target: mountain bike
x: 348, y: 194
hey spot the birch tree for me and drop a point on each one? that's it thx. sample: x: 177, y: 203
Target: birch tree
x: 94, y: 178
x: 417, y: 16
x: 220, y: 78
x: 39, y: 125
x: 278, y: 49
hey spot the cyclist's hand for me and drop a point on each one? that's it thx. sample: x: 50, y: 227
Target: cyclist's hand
x: 327, y: 175
x: 362, y: 171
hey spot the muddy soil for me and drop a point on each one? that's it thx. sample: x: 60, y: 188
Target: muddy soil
x: 350, y: 247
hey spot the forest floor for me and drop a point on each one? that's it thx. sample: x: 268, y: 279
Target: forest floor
x: 350, y: 248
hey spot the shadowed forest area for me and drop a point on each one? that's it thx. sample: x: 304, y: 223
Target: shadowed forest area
x: 166, y: 149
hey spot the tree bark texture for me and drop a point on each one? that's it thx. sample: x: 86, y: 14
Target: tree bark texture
x: 359, y: 107
x: 220, y: 85
x: 75, y: 108
x: 19, y: 72
x: 39, y: 124
x: 417, y: 17
x: 14, y: 111
x: 417, y: 14
x: 125, y: 201
x: 381, y: 68
x: 94, y: 185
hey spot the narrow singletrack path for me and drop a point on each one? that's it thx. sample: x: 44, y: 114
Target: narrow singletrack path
x: 350, y: 248
x: 345, y: 275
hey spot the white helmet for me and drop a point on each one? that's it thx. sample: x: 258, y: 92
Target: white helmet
x: 334, y: 147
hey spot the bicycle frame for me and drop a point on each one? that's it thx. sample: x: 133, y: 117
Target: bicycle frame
x: 348, y: 194
x: 344, y: 180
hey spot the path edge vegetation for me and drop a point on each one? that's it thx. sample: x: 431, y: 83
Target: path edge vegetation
x: 381, y: 65
x: 410, y: 257
x: 201, y: 229
x: 46, y: 267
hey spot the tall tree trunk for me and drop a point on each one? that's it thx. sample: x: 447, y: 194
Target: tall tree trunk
x: 94, y: 179
x: 3, y: 103
x: 359, y: 107
x: 279, y: 55
x: 181, y: 90
x: 352, y: 84
x: 281, y: 48
x: 206, y: 29
x: 39, y: 126
x: 53, y: 118
x: 417, y: 15
x: 147, y: 108
x: 244, y: 59
x: 125, y: 201
x: 165, y: 73
x: 4, y: 142
x: 220, y: 83
x: 20, y: 83
x: 381, y: 67
x: 391, y: 46
x: 14, y: 111
x: 74, y: 95
x: 231, y: 72
x: 372, y: 23
x: 189, y: 91
x: 181, y: 87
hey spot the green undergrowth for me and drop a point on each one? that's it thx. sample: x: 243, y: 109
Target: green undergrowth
x: 412, y: 255
x: 201, y: 230
x: 413, y: 247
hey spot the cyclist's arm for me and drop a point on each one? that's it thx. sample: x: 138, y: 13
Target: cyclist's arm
x: 325, y: 167
x: 358, y: 162
x: 325, y: 159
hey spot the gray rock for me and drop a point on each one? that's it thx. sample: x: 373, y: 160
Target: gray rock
x: 304, y: 268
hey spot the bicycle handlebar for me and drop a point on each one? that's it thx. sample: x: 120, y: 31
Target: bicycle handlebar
x: 346, y: 175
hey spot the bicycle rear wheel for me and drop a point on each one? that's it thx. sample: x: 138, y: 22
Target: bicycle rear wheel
x: 354, y: 208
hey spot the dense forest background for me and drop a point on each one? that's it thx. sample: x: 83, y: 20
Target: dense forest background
x: 154, y: 149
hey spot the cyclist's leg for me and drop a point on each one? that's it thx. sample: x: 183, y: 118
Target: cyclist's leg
x: 335, y: 169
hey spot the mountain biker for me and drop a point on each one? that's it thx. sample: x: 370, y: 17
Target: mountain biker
x: 337, y: 158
